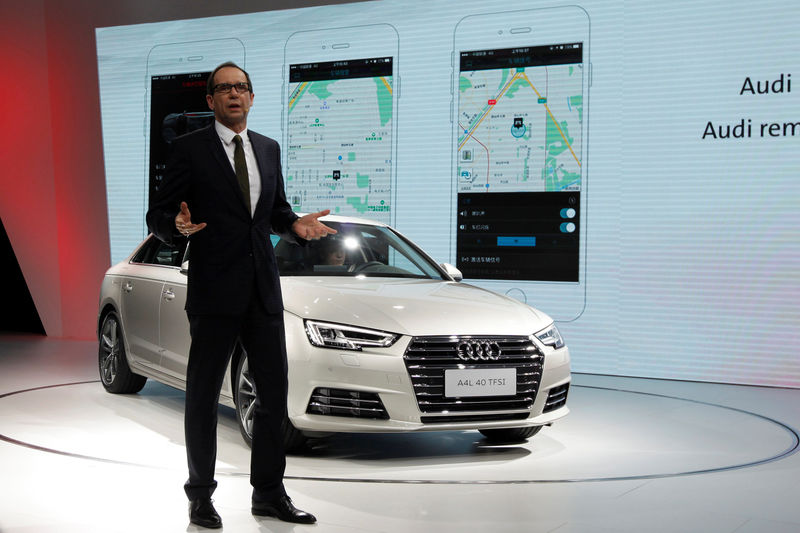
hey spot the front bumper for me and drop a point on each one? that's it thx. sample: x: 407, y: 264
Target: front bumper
x: 346, y: 384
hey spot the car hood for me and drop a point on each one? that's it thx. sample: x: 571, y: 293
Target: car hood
x: 410, y: 307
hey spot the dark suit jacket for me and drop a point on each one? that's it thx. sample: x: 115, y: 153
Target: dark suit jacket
x: 232, y: 255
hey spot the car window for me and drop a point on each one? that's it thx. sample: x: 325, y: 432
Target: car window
x: 145, y: 251
x: 167, y: 255
x: 357, y: 250
x: 156, y: 252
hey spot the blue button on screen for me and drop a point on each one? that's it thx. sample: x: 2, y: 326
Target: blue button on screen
x: 516, y: 241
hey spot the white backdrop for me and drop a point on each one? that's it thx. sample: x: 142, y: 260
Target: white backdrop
x: 693, y: 248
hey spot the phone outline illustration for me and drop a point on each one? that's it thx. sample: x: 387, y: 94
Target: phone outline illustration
x: 194, y: 60
x: 340, y: 57
x: 531, y: 40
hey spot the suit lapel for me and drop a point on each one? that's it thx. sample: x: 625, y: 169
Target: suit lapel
x: 217, y: 149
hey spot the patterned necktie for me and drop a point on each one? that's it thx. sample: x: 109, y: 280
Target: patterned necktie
x: 240, y: 165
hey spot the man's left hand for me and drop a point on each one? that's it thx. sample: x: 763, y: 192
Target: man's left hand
x: 309, y: 227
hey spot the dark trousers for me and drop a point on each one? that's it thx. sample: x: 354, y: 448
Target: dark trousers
x: 213, y: 338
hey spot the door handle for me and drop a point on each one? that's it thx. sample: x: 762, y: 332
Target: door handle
x: 128, y: 287
x: 169, y: 295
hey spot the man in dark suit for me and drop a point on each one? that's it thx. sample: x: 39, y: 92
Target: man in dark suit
x: 224, y: 190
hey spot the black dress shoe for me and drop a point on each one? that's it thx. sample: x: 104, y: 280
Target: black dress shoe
x: 202, y: 513
x: 282, y: 509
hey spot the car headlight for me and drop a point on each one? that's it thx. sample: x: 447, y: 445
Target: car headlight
x: 339, y: 336
x: 550, y: 336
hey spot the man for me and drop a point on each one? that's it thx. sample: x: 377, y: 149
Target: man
x: 223, y: 189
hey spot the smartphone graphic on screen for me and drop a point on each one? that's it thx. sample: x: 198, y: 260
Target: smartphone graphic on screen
x: 339, y: 120
x: 175, y: 100
x: 520, y: 137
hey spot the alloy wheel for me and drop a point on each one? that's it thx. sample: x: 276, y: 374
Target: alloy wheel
x: 109, y: 350
x: 245, y: 398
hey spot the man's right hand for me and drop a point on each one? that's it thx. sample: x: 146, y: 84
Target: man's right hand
x: 183, y: 221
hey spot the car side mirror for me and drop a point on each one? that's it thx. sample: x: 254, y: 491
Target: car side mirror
x: 185, y: 267
x: 452, y: 271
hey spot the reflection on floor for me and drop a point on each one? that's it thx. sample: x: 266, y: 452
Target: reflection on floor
x: 633, y: 455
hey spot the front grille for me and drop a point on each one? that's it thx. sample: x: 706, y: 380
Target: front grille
x: 350, y: 403
x: 556, y: 398
x: 427, y: 358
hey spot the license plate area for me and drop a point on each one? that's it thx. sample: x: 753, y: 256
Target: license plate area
x: 464, y: 382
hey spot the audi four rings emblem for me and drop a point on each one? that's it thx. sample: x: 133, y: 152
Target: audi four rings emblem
x: 478, y: 350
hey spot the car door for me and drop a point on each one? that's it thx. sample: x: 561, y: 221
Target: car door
x: 142, y: 282
x: 173, y: 323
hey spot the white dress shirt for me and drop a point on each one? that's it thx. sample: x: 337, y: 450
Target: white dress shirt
x: 227, y: 135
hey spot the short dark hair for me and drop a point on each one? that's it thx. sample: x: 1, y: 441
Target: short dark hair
x: 210, y: 83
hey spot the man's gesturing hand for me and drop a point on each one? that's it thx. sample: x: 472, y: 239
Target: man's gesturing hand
x: 308, y: 227
x: 183, y: 221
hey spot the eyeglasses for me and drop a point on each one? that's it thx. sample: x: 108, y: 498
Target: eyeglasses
x: 225, y: 88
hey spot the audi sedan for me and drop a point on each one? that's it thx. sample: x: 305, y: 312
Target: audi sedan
x: 380, y: 338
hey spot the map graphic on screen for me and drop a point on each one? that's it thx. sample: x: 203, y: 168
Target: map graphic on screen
x: 339, y: 151
x: 520, y: 117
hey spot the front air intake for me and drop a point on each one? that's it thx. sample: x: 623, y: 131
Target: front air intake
x: 349, y: 403
x: 556, y: 398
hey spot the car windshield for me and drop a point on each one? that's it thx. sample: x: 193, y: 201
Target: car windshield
x: 357, y: 250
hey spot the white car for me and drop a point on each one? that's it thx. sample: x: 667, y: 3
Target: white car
x: 380, y: 338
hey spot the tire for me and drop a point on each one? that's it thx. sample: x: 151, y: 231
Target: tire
x: 510, y: 434
x: 245, y: 399
x: 115, y: 374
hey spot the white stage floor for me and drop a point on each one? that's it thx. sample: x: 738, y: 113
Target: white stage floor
x: 633, y: 455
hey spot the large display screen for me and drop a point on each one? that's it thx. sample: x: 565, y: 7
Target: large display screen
x: 519, y: 167
x: 178, y: 106
x: 628, y: 168
x: 340, y: 136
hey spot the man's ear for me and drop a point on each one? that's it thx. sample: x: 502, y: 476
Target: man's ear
x: 210, y: 100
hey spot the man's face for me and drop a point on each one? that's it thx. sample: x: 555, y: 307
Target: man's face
x: 230, y: 109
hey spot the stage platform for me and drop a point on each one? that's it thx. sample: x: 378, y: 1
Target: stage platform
x: 634, y: 455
